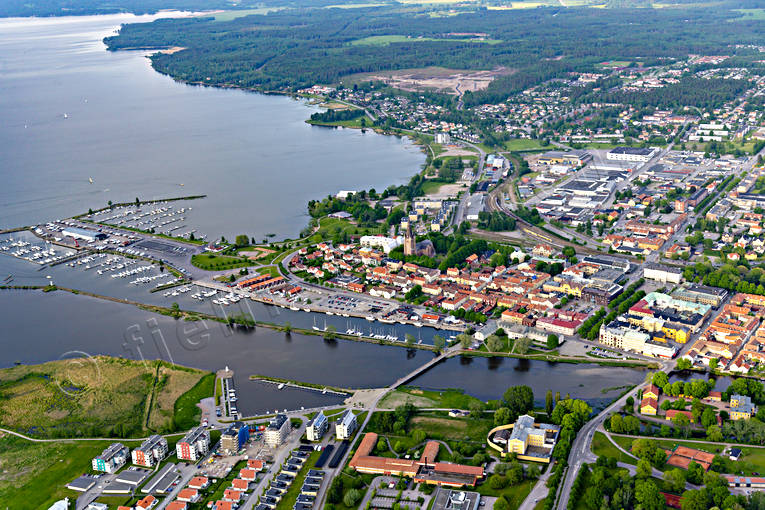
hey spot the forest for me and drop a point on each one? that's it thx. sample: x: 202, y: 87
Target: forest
x: 289, y: 49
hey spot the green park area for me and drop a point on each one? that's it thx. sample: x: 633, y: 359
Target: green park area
x: 333, y: 227
x: 525, y: 144
x: 451, y: 398
x: 215, y: 262
x: 602, y: 447
x: 752, y: 459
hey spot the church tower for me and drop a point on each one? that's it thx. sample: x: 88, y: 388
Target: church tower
x: 410, y: 246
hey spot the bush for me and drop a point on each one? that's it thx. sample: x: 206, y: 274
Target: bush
x: 352, y: 497
x: 497, y: 482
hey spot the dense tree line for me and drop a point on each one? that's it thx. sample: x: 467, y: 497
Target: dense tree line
x: 495, y: 221
x: 298, y: 47
x: 699, y: 92
x: 337, y: 115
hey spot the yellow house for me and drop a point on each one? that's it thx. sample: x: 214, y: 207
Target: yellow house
x: 675, y: 332
x: 651, y: 392
x: 741, y: 407
x: 649, y: 406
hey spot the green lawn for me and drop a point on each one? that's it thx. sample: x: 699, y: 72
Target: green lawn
x: 288, y: 501
x: 385, y: 40
x: 354, y: 123
x: 751, y: 460
x: 329, y: 227
x: 602, y: 447
x: 450, y: 398
x: 514, y: 494
x: 230, y: 15
x: 270, y: 270
x: 524, y: 144
x: 750, y: 15
x: 215, y: 262
x: 187, y: 413
x: 431, y: 187
x: 34, y: 474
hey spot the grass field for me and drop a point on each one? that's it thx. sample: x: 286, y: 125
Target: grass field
x: 214, y: 262
x: 456, y: 399
x: 185, y: 408
x: 270, y: 270
x: 384, y: 40
x: 751, y: 460
x: 452, y: 429
x: 230, y: 15
x: 514, y: 494
x: 332, y: 226
x: 431, y: 187
x: 33, y: 475
x: 602, y: 447
x: 354, y: 123
x: 99, y: 396
x: 750, y: 15
x: 524, y: 144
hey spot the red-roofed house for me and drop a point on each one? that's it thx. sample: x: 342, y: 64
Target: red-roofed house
x: 188, y: 495
x: 247, y: 474
x: 147, y: 503
x: 199, y: 482
x: 232, y: 495
x: 239, y: 484
x: 671, y: 413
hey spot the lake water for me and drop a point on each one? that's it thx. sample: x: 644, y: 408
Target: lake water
x: 488, y: 378
x: 73, y: 111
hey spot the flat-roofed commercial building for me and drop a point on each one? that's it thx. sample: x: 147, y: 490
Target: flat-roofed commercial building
x: 636, y: 154
x: 662, y: 273
x: 701, y: 294
x: 424, y: 470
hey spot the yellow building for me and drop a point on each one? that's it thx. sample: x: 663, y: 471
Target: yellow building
x: 649, y: 406
x: 528, y: 440
x: 741, y: 407
x: 675, y: 332
x: 651, y: 392
x: 570, y: 288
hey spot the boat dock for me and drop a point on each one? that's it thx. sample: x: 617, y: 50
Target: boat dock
x: 283, y: 384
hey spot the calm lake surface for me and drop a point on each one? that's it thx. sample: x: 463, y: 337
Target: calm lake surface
x: 73, y: 111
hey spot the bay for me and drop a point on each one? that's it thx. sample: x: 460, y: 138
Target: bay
x: 72, y: 111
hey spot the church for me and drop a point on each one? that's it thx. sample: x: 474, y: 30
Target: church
x: 412, y: 247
